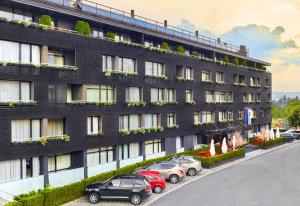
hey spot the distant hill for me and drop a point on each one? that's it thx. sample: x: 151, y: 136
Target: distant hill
x: 278, y: 95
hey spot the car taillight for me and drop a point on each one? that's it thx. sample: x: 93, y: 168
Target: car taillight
x: 148, y: 189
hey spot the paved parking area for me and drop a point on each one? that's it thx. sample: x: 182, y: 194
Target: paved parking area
x: 187, y: 180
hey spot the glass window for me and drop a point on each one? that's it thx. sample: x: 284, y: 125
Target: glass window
x: 154, y: 69
x: 23, y: 130
x: 206, y: 75
x: 55, y: 57
x: 220, y: 77
x: 151, y: 120
x: 171, y: 117
x: 60, y: 162
x: 94, y: 125
x: 197, y: 118
x: 157, y: 94
x: 134, y: 94
x: 102, y: 93
x: 107, y: 63
x: 171, y: 95
x: 15, y: 91
x: 97, y: 32
x: 153, y: 146
x: 189, y: 95
x: 188, y: 73
x: 209, y: 97
x: 6, y: 12
x: 131, y: 150
x: 55, y: 127
x: 127, y: 65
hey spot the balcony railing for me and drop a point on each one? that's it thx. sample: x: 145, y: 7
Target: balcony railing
x: 139, y: 21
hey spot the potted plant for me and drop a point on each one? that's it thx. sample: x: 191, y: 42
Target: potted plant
x: 83, y: 27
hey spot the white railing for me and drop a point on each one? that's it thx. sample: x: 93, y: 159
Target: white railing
x: 65, y: 177
x: 101, y: 168
x: 155, y: 155
x: 131, y: 161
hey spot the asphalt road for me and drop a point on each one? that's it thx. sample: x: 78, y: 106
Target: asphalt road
x: 269, y: 180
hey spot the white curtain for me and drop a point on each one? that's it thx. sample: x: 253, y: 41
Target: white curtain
x: 93, y: 157
x: 148, y: 120
x: 6, y: 12
x: 110, y: 155
x: 25, y: 91
x: 93, y: 93
x: 9, y: 90
x: 148, y: 68
x: 9, y: 51
x: 134, y: 150
x: 171, y: 95
x: 95, y: 125
x: 178, y: 142
x: 20, y: 130
x: 149, y: 147
x: 35, y: 54
x: 125, y: 151
x: 36, y: 128
x: 123, y: 121
x: 103, y: 155
x: 10, y: 170
x: 63, y: 162
x: 25, y: 53
x: 35, y: 166
x: 154, y: 94
x: 55, y: 127
x: 133, y: 94
x: 128, y: 65
x: 160, y: 69
x: 51, y: 164
x: 134, y: 122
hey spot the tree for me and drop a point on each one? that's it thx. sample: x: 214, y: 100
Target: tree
x: 277, y: 112
x: 294, y: 117
x: 226, y: 59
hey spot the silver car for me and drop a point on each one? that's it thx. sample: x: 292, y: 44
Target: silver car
x: 191, y: 165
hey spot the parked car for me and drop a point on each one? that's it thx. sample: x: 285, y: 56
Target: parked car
x: 191, y: 165
x: 134, y: 187
x: 296, y: 133
x: 156, y: 180
x: 170, y: 170
x: 288, y: 136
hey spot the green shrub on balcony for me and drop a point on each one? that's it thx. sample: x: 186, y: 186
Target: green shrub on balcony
x: 244, y: 63
x: 45, y: 20
x: 195, y: 54
x: 165, y: 46
x: 110, y: 36
x: 180, y: 49
x: 225, y: 59
x: 83, y: 27
x: 236, y: 61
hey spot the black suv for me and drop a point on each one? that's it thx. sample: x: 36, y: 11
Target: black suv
x: 132, y: 187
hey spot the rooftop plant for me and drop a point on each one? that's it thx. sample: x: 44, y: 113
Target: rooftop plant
x: 165, y: 45
x: 244, y: 63
x: 180, y: 49
x: 45, y: 20
x: 225, y: 59
x: 236, y: 61
x: 111, y: 36
x: 83, y: 27
x: 195, y: 53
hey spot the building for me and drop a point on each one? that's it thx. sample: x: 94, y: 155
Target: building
x: 73, y: 106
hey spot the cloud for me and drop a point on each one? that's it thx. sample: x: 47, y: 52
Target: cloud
x: 187, y: 25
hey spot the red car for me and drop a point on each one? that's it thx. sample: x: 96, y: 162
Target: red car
x: 157, y: 181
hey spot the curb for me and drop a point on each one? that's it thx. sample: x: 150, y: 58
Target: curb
x: 214, y: 170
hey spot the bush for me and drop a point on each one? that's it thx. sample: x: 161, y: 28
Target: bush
x: 195, y: 53
x: 180, y: 49
x: 33, y: 200
x: 60, y: 195
x: 13, y: 203
x: 111, y: 36
x: 236, y: 61
x: 211, y: 161
x: 165, y: 45
x: 244, y: 63
x: 272, y: 142
x: 226, y: 59
x: 45, y: 20
x: 83, y: 27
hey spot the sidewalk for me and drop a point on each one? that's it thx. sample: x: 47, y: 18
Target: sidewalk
x: 170, y: 187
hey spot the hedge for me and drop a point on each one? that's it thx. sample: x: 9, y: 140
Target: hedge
x: 211, y: 161
x: 60, y: 195
x: 45, y: 20
x: 83, y: 27
x: 273, y: 142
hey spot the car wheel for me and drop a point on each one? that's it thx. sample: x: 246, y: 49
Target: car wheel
x: 94, y: 198
x: 136, y: 199
x: 157, y: 189
x: 191, y: 172
x: 174, y: 179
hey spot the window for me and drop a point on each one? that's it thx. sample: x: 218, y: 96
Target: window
x: 148, y: 43
x: 56, y: 57
x: 151, y: 120
x: 245, y: 97
x: 206, y: 76
x: 267, y: 83
x: 19, y: 169
x: 98, y: 33
x: 56, y: 127
x: 59, y: 162
x: 157, y: 94
x: 15, y: 91
x: 134, y: 94
x: 220, y: 77
x: 220, y: 97
x: 57, y: 93
x: 127, y: 183
x: 235, y: 79
x: 127, y: 151
x: 171, y: 119
x: 154, y: 69
x: 209, y: 97
x: 16, y: 52
x: 23, y: 130
x: 189, y: 95
x: 242, y: 79
x: 14, y: 14
x: 100, y: 155
x: 129, y: 122
x: 251, y: 97
x: 94, y: 125
x: 171, y: 95
x: 125, y: 38
x: 207, y: 116
x: 241, y: 115
x: 197, y: 118
x: 258, y: 97
x: 100, y: 93
x: 179, y: 142
x: 230, y: 115
x: 223, y: 116
x: 153, y: 146
x: 184, y: 72
x: 107, y: 63
x: 229, y: 97
x: 127, y: 65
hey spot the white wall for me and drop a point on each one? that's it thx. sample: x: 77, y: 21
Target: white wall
x: 10, y: 189
x: 64, y: 177
x: 131, y: 161
x: 156, y: 155
x: 98, y: 169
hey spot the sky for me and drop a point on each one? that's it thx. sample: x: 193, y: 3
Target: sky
x: 269, y: 28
